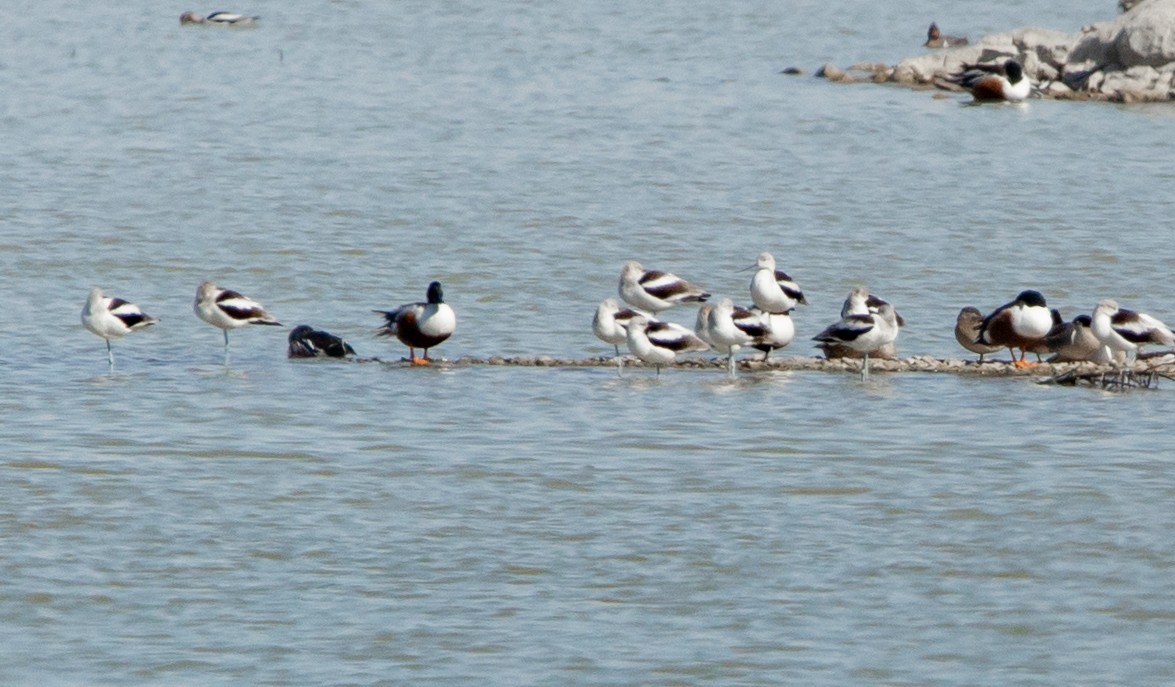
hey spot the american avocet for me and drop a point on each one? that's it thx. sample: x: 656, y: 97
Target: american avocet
x: 219, y: 19
x: 780, y: 331
x: 936, y: 39
x: 1022, y: 324
x: 421, y: 325
x: 772, y: 290
x: 652, y: 291
x: 967, y: 332
x: 861, y: 302
x: 608, y: 323
x: 863, y: 332
x: 113, y: 318
x: 732, y: 327
x: 994, y: 82
x: 226, y: 309
x: 1127, y: 331
x: 658, y: 343
x: 308, y: 342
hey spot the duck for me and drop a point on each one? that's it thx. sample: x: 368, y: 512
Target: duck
x: 659, y: 343
x: 935, y: 39
x: 1005, y: 82
x: 1125, y: 331
x: 731, y: 327
x: 226, y: 309
x: 772, y: 290
x: 967, y: 332
x: 308, y: 342
x: 113, y: 318
x: 1022, y: 324
x: 862, y: 332
x: 421, y: 325
x: 219, y: 19
x: 653, y: 291
x: 1073, y: 341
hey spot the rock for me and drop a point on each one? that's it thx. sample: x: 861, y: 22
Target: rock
x: 1128, y: 59
x: 793, y: 71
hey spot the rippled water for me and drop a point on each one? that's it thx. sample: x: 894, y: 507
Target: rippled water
x: 179, y: 521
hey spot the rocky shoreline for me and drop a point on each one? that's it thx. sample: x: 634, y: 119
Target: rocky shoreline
x: 1161, y: 363
x: 1129, y: 59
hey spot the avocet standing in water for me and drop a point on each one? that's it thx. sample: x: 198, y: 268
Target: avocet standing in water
x: 1126, y: 331
x: 226, y: 309
x: 658, y: 343
x: 652, y: 291
x: 421, y: 325
x: 774, y: 291
x: 863, y: 332
x: 113, y: 318
x: 219, y: 19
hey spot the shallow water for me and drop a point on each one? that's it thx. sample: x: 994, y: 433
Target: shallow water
x: 177, y: 520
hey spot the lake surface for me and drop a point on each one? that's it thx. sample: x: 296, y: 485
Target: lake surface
x: 177, y: 520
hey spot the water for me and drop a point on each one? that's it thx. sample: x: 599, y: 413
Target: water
x: 177, y: 521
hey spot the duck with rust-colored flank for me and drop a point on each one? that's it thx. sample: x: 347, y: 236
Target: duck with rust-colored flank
x: 421, y: 325
x: 992, y: 83
x: 1023, y: 324
x: 307, y: 342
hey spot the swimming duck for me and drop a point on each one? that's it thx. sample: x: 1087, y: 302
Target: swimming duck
x: 994, y: 82
x: 113, y: 318
x: 935, y: 39
x: 652, y: 291
x: 219, y: 19
x: 226, y: 309
x: 308, y: 342
x: 421, y: 325
x: 1022, y: 324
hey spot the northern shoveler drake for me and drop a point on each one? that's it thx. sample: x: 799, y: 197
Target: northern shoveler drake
x: 308, y: 342
x: 935, y: 39
x: 1023, y: 324
x: 994, y: 82
x: 652, y: 291
x: 862, y: 332
x: 226, y: 309
x: 421, y: 325
x: 1127, y: 331
x: 219, y: 19
x: 780, y: 331
x: 113, y: 318
x: 658, y: 343
x: 967, y: 332
x: 731, y: 327
x: 772, y: 290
